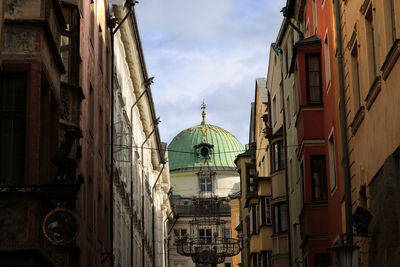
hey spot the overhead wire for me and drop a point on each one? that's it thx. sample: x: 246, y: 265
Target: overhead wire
x: 190, y: 152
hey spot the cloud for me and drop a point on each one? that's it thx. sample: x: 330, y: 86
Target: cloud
x: 206, y: 49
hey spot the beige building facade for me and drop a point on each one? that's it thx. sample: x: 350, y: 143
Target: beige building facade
x: 371, y: 50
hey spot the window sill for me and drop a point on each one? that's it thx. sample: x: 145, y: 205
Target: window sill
x: 357, y: 120
x: 391, y: 59
x: 373, y: 92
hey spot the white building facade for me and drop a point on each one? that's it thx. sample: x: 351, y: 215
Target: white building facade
x: 141, y: 173
x: 202, y: 165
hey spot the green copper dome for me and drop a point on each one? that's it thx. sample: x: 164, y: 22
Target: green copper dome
x: 204, y: 146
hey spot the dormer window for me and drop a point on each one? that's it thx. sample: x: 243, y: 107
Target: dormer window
x: 204, y: 150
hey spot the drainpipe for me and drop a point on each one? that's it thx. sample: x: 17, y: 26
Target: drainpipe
x: 169, y: 232
x: 286, y: 174
x: 112, y: 22
x: 343, y: 127
x: 153, y: 212
x: 166, y: 260
x: 155, y: 123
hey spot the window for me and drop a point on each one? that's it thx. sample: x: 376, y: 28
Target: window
x: 91, y: 110
x: 99, y: 204
x: 274, y: 110
x: 370, y: 33
x: 286, y: 59
x: 266, y: 259
x: 390, y: 17
x: 322, y: 260
x: 278, y: 155
x: 228, y: 264
x: 318, y: 176
x: 296, y: 93
x: 254, y: 262
x: 227, y: 233
x: 327, y: 62
x: 107, y: 149
x: 355, y: 67
x: 101, y: 142
x: 288, y: 111
x: 265, y: 207
x: 315, y: 19
x: 69, y: 48
x: 393, y: 19
x: 108, y: 69
x: 205, y: 181
x: 12, y: 128
x: 254, y: 218
x: 100, y: 47
x: 281, y: 99
x: 90, y: 209
x: 263, y: 166
x: 301, y: 177
x: 291, y: 175
x: 280, y: 217
x: 179, y: 234
x: 205, y: 235
x: 251, y: 181
x: 92, y: 22
x: 332, y: 162
x: 313, y: 63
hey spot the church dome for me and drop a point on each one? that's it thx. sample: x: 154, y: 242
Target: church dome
x: 204, y: 146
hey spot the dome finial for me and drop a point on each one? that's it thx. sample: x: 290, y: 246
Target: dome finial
x: 203, y: 113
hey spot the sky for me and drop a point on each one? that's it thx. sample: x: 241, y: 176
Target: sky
x: 206, y: 49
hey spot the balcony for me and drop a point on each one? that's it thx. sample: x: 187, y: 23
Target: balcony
x: 314, y: 220
x: 309, y: 123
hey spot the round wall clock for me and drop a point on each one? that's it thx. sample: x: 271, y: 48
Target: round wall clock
x: 60, y: 226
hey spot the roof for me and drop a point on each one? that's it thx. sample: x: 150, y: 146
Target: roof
x: 184, y: 149
x: 313, y: 40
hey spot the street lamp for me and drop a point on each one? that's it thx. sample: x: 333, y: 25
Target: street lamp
x: 346, y: 255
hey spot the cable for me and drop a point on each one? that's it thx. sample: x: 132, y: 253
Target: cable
x: 189, y: 152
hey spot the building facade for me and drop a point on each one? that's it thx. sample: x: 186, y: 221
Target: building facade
x: 141, y: 178
x: 370, y: 50
x: 202, y: 166
x: 56, y: 88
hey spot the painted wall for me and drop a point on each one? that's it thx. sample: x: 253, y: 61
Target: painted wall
x: 280, y: 241
x: 373, y: 131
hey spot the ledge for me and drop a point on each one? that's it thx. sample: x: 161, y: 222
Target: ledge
x: 373, y: 92
x: 357, y: 120
x: 391, y: 59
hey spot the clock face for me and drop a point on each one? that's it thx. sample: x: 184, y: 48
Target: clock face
x: 60, y: 226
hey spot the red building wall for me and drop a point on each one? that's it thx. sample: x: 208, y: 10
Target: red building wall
x: 318, y: 123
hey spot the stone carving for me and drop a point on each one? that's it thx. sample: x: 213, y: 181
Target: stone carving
x: 67, y: 166
x: 65, y: 107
